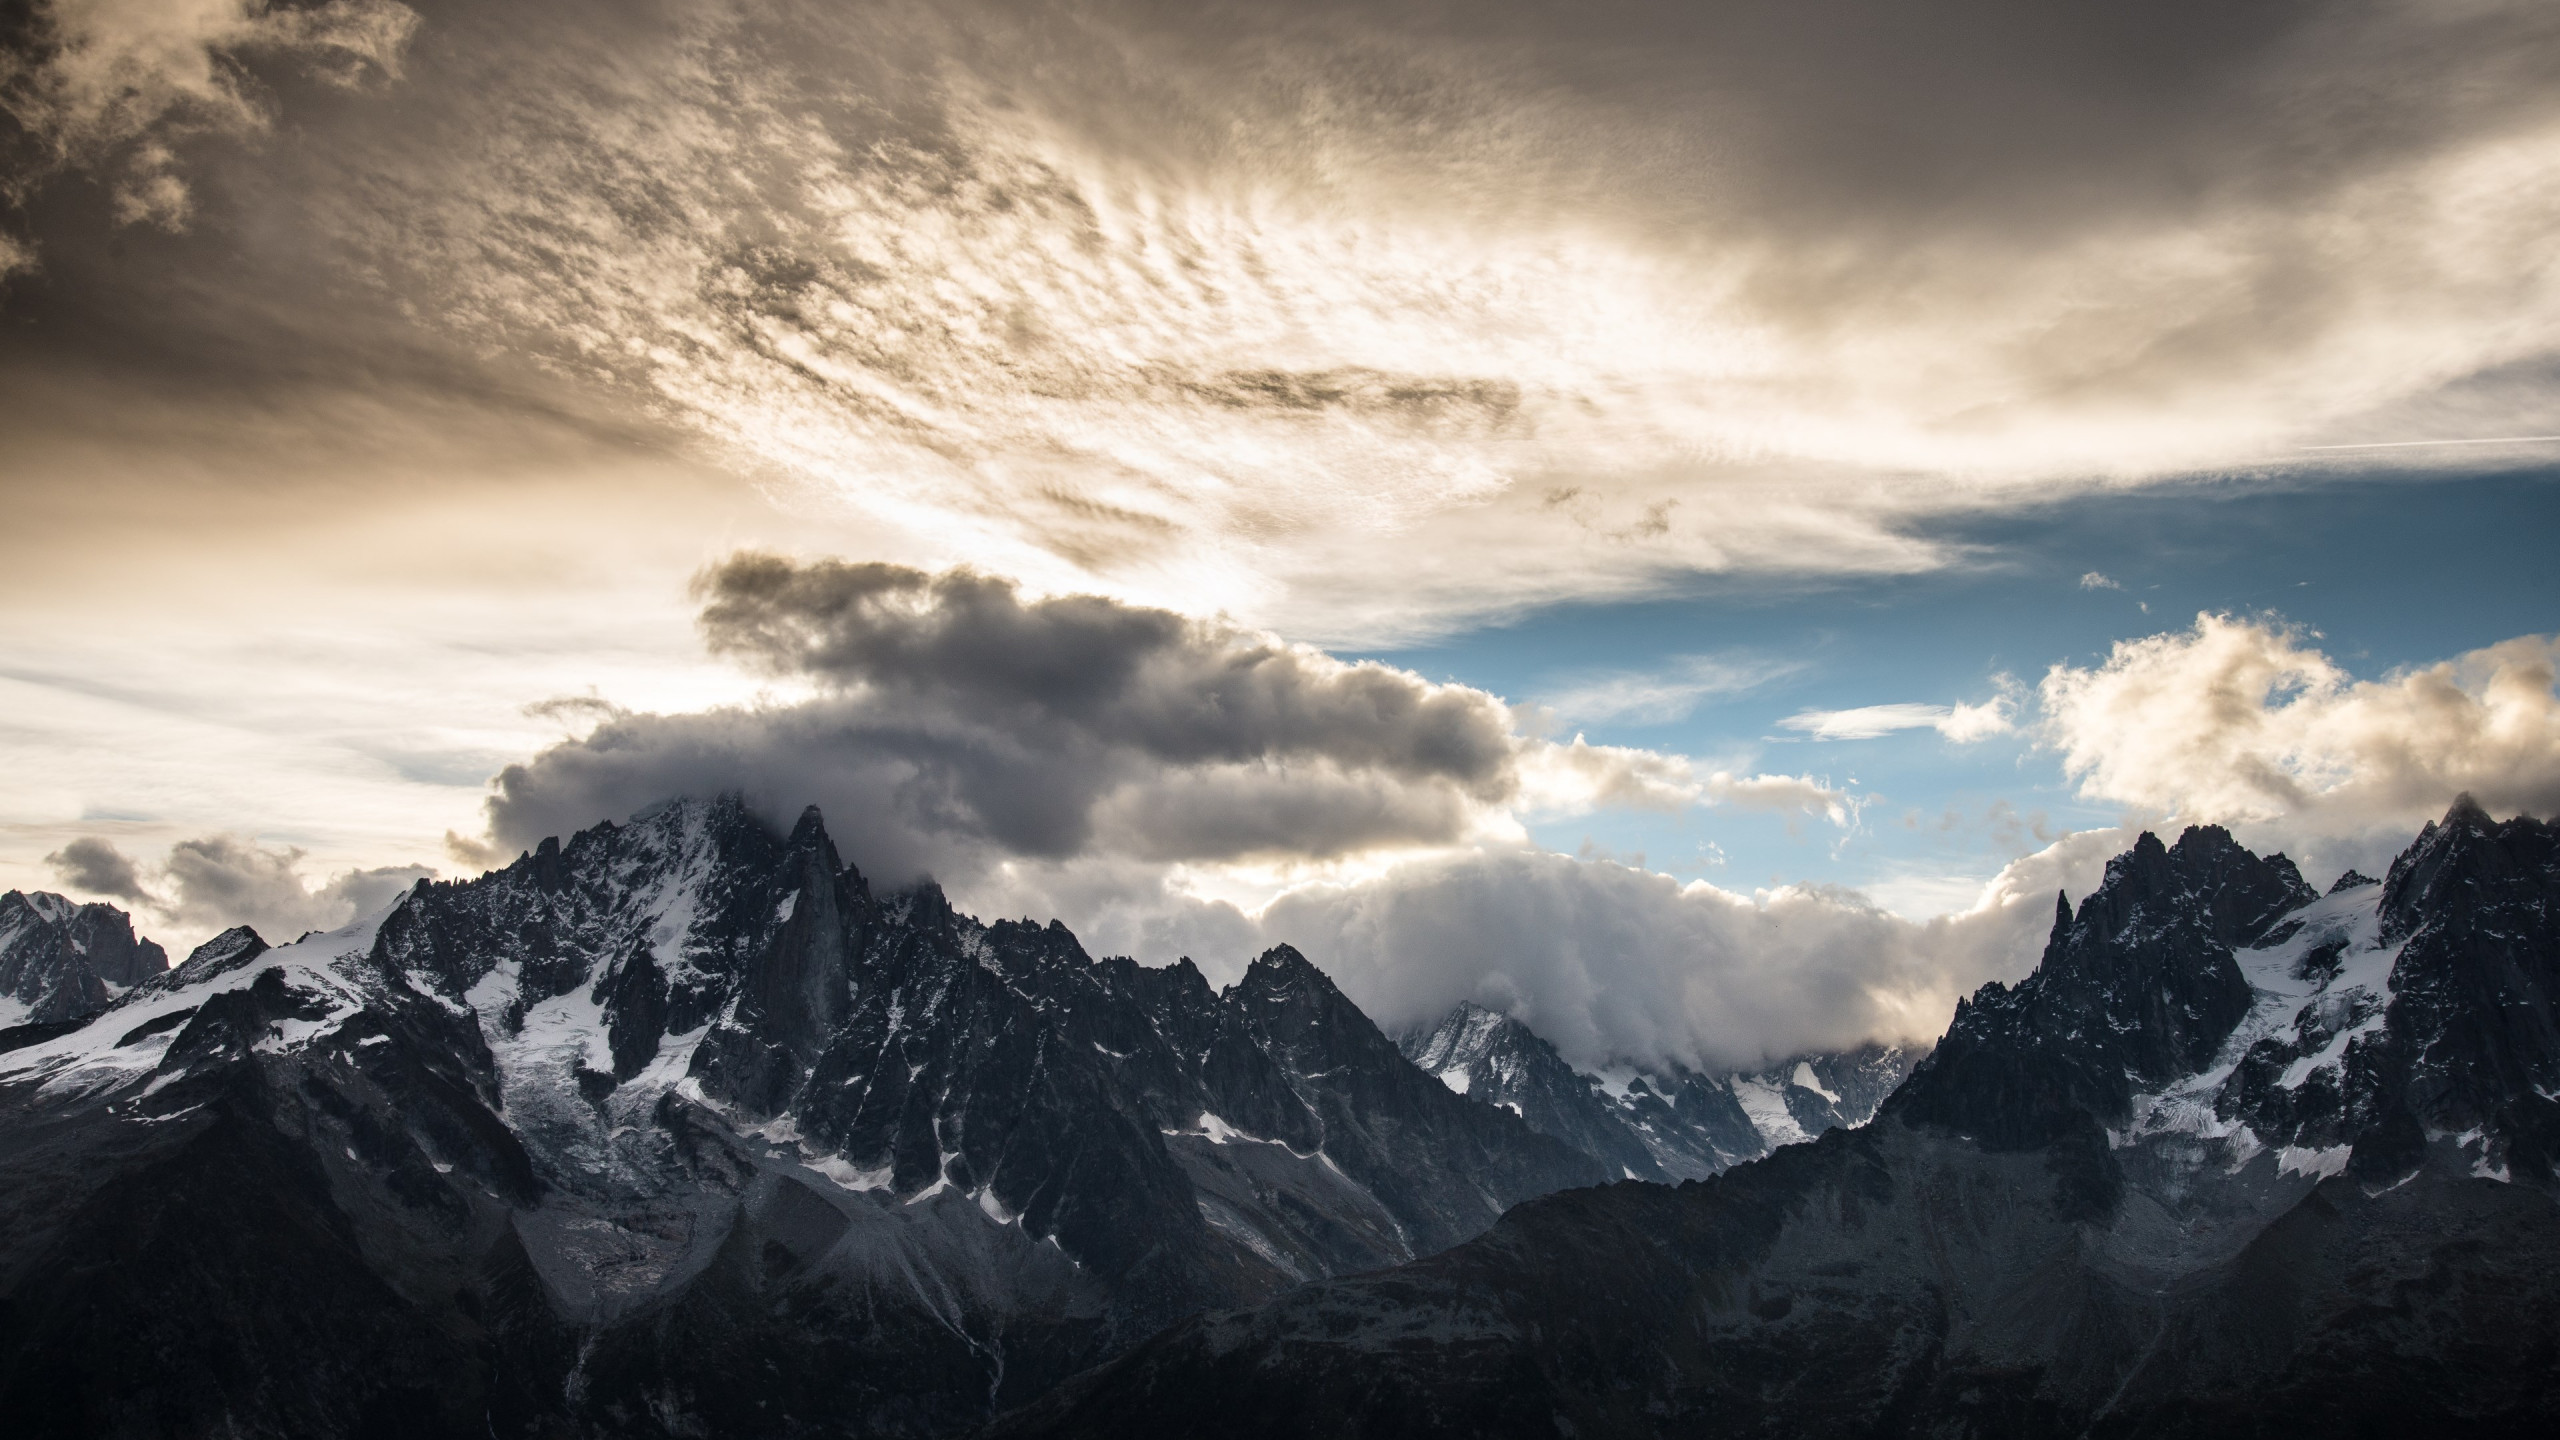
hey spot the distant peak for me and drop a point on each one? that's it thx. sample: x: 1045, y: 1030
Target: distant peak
x: 2206, y: 837
x: 49, y: 907
x: 233, y: 947
x: 811, y: 827
x: 2465, y: 845
x: 2352, y: 880
x: 1281, y: 969
x: 1283, y: 959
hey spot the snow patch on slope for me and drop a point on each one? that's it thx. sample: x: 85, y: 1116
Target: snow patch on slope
x: 1766, y: 1107
x: 331, y: 963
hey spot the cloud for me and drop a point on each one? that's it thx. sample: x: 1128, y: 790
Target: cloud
x: 2239, y: 720
x: 214, y: 882
x: 1964, y: 724
x: 95, y: 866
x: 969, y: 726
x: 1666, y: 694
x: 217, y: 881
x: 110, y: 83
x: 1622, y: 965
x: 2095, y: 581
x: 1090, y: 673
x: 1369, y: 320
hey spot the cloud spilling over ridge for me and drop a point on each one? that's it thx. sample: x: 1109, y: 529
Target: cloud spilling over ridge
x: 2238, y: 721
x: 2234, y: 721
x: 962, y: 726
x: 1618, y: 965
x: 213, y: 882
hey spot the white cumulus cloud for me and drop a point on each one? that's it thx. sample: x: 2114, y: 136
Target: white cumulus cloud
x: 2238, y: 720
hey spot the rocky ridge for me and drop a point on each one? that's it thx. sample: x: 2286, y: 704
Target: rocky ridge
x: 1683, y: 1125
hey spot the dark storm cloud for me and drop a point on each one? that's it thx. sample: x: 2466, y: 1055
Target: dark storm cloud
x: 96, y: 867
x: 963, y: 723
x: 1085, y: 672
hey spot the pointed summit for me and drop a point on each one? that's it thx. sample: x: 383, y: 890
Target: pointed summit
x: 2454, y: 858
x: 227, y: 951
x: 810, y: 829
x: 1285, y: 961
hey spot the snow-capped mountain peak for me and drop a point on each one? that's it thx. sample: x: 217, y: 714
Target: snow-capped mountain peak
x: 62, y: 961
x: 1683, y: 1125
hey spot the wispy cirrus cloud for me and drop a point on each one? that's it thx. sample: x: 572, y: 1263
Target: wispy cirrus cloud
x: 1662, y: 694
x: 1367, y: 321
x: 114, y: 85
x: 1962, y: 724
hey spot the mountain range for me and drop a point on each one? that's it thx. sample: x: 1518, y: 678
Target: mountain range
x: 1682, y: 1124
x: 681, y: 1127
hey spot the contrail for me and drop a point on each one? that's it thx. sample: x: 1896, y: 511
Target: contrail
x: 2406, y: 444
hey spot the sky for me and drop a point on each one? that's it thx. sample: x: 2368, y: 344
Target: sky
x: 1686, y: 522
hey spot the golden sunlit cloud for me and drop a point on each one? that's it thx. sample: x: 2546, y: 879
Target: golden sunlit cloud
x: 1211, y: 344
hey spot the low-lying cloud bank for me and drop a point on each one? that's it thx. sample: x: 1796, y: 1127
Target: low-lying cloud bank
x: 1618, y: 965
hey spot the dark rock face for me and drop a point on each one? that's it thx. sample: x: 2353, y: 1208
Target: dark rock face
x: 2140, y: 986
x: 679, y: 1128
x: 61, y: 961
x: 1685, y: 1126
x: 2067, y: 1222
